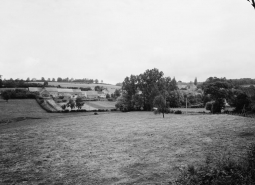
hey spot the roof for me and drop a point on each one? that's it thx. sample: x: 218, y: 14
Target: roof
x: 34, y: 89
x: 91, y: 93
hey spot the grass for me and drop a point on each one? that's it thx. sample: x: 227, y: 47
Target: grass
x: 116, y: 148
x: 19, y: 108
x: 101, y: 104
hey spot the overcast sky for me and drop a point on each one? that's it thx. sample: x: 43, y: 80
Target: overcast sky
x: 111, y: 39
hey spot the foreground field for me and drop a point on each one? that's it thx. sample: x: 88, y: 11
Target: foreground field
x: 116, y: 148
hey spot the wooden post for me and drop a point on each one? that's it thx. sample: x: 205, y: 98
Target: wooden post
x: 186, y: 105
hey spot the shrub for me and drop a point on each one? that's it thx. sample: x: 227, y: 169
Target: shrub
x: 178, y: 112
x: 223, y: 171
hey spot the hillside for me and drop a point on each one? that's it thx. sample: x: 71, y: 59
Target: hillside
x: 110, y: 88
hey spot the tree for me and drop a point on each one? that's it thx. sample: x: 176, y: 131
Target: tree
x: 98, y: 88
x: 28, y: 79
x: 252, y: 3
x: 42, y: 79
x: 6, y: 95
x: 160, y: 103
x: 45, y: 83
x: 239, y: 100
x: 137, y: 101
x: 53, y: 80
x: 195, y: 81
x: 79, y: 102
x: 71, y: 104
x: 122, y: 103
x: 96, y: 81
x: 108, y: 96
x: 218, y: 89
x: 48, y: 79
x: 117, y: 93
x: 59, y: 79
x: 101, y: 81
x: 1, y: 83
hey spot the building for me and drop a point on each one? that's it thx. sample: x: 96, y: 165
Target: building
x: 65, y: 92
x: 91, y: 94
x: 101, y: 94
x: 52, y: 90
x: 44, y: 93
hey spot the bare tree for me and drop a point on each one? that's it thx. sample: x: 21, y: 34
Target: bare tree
x: 252, y: 3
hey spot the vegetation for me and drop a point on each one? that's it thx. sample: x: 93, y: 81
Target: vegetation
x: 160, y: 103
x: 133, y: 148
x: 225, y: 171
x: 18, y: 94
x: 144, y: 88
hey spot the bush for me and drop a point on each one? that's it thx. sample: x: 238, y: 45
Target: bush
x: 224, y: 171
x: 178, y: 112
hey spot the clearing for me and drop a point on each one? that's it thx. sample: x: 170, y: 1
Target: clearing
x: 116, y: 148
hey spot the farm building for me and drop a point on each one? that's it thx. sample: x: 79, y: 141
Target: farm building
x: 101, y: 94
x: 44, y: 93
x: 77, y: 92
x: 65, y: 92
x: 52, y: 90
x: 91, y: 94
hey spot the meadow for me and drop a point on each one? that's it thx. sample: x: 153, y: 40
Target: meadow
x: 116, y: 148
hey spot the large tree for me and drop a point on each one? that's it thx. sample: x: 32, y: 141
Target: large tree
x: 218, y: 89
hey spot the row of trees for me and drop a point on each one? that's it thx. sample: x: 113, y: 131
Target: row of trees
x: 59, y: 79
x: 151, y: 89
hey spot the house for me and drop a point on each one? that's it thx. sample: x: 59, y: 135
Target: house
x: 91, y: 94
x: 65, y: 92
x: 101, y: 94
x: 52, y: 90
x: 44, y: 93
x: 77, y: 92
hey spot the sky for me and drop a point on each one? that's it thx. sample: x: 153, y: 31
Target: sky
x: 111, y: 39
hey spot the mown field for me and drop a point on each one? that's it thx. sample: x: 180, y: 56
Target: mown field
x: 116, y: 148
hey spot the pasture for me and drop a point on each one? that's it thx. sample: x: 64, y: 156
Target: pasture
x: 116, y: 148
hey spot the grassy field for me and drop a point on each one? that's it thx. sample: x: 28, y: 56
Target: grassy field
x: 110, y: 88
x: 19, y: 108
x: 101, y: 104
x: 116, y: 148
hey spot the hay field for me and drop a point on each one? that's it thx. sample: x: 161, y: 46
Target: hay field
x: 116, y: 148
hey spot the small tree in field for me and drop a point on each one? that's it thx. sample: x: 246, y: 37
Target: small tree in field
x: 79, y: 102
x: 160, y: 103
x: 71, y: 104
